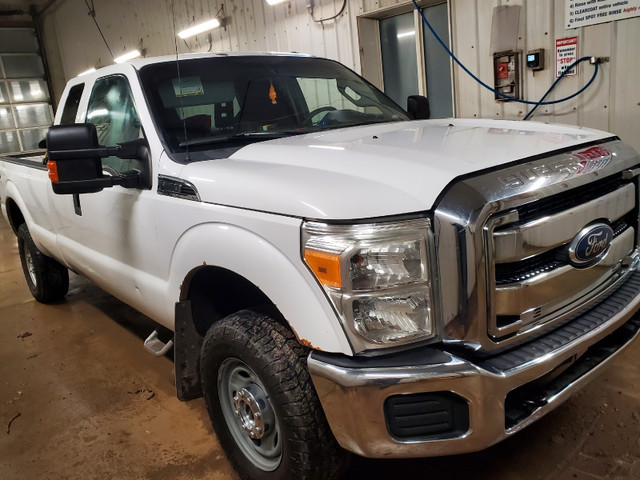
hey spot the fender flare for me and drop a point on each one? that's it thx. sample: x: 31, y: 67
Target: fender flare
x: 291, y: 288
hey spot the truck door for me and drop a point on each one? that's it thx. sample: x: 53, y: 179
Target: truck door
x: 112, y: 238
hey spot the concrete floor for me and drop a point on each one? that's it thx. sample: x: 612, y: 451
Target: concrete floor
x: 83, y: 399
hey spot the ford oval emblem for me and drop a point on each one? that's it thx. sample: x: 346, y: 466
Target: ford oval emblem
x: 590, y: 245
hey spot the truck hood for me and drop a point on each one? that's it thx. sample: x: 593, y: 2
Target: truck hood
x: 372, y: 171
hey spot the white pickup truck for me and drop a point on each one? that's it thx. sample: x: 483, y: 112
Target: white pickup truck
x: 335, y: 274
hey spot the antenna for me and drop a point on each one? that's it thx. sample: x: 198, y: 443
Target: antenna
x: 175, y: 43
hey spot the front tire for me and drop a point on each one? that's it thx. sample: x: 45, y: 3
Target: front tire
x: 262, y: 403
x: 47, y: 279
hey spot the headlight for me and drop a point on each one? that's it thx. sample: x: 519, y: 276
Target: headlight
x: 377, y: 276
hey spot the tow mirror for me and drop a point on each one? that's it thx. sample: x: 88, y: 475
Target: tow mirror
x: 74, y: 164
x: 418, y: 107
x: 75, y: 160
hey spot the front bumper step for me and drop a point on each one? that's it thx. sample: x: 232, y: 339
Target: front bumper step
x: 580, y: 325
x: 503, y: 394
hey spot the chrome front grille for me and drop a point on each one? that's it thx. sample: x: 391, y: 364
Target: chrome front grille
x: 530, y: 278
x: 502, y: 238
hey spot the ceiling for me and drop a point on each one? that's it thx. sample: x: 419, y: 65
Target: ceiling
x: 25, y: 4
x: 9, y: 6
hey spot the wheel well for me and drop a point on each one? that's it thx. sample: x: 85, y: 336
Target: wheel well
x: 15, y: 215
x: 216, y: 293
x: 209, y: 294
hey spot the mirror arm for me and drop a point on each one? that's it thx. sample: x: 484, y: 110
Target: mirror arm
x: 83, y: 153
x: 131, y: 150
x: 127, y: 150
x: 127, y: 179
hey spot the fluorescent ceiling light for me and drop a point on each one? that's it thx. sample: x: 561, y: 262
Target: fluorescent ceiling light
x: 406, y: 34
x: 201, y: 27
x: 275, y: 2
x: 87, y: 72
x: 127, y: 56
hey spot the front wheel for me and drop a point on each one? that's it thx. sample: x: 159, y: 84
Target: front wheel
x: 262, y: 403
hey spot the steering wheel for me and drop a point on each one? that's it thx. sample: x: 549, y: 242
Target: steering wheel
x: 313, y: 113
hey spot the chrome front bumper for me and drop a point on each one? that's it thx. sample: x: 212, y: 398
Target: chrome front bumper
x: 353, y: 391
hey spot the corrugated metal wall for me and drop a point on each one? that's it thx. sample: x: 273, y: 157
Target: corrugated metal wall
x: 613, y: 103
x: 252, y: 25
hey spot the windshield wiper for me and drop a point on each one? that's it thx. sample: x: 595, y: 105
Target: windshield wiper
x: 371, y: 122
x: 339, y: 125
x: 244, y: 136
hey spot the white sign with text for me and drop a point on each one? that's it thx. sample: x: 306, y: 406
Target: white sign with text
x: 589, y: 12
x: 566, y: 54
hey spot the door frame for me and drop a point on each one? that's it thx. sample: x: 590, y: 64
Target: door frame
x: 371, y: 52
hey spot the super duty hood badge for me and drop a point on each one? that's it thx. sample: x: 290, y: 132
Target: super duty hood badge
x: 573, y: 163
x: 590, y: 244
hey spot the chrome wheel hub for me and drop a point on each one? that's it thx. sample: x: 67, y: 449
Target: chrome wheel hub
x: 31, y: 268
x: 253, y: 411
x: 248, y: 413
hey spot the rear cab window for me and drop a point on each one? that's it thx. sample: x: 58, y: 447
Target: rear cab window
x: 70, y: 109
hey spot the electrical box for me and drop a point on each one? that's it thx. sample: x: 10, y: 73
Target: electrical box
x: 535, y: 59
x: 506, y: 74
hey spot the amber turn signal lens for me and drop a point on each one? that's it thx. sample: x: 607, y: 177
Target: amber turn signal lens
x: 53, y: 171
x: 325, y: 266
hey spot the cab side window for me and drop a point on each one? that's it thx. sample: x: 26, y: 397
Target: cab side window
x: 112, y: 111
x: 71, y: 106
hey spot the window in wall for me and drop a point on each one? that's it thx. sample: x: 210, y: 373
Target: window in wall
x: 25, y: 109
x: 403, y: 62
x: 438, y: 62
x: 399, y: 57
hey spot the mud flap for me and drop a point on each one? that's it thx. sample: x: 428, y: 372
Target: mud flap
x: 188, y: 344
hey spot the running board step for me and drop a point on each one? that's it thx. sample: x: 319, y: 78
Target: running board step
x: 157, y: 346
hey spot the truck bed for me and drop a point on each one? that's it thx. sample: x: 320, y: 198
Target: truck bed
x: 32, y: 159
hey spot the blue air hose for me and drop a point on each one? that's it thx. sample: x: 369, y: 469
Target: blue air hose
x: 514, y: 99
x: 553, y: 85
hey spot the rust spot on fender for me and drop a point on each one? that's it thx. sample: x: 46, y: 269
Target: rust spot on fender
x: 307, y: 343
x: 303, y: 341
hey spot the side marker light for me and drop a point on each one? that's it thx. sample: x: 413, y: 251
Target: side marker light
x: 325, y: 266
x: 53, y: 171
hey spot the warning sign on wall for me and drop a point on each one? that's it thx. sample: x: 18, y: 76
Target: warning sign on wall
x: 589, y: 12
x: 566, y: 54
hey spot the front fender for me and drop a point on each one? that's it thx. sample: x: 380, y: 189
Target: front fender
x: 279, y: 274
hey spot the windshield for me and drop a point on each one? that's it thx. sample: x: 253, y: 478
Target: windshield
x: 226, y: 102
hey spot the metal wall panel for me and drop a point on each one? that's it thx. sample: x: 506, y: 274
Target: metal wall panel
x: 625, y: 86
x: 464, y: 18
x: 613, y: 103
x: 489, y: 108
